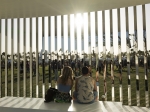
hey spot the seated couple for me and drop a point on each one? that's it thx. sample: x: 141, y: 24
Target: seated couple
x: 85, y: 87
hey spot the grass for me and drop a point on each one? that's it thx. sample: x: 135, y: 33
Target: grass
x: 108, y: 79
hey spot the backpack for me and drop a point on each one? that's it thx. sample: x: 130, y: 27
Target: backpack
x: 50, y: 94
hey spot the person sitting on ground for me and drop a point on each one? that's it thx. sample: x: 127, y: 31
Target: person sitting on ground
x: 85, y: 88
x: 64, y: 84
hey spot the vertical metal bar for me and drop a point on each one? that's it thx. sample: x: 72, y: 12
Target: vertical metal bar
x: 72, y: 40
x: 43, y: 60
x: 55, y: 30
x: 96, y: 49
x: 75, y: 34
x: 6, y: 72
x: 104, y: 55
x: 69, y: 55
x: 37, y: 60
x: 128, y: 58
x: 68, y: 17
x: 145, y: 59
x: 0, y: 60
x: 62, y: 32
x: 30, y: 32
x: 43, y: 70
x: 89, y: 37
x: 24, y: 64
x: 12, y: 57
x: 82, y: 39
x: 58, y: 33
x: 112, y: 56
x: 136, y: 58
x: 96, y: 34
x: 18, y: 59
x: 49, y: 71
x: 120, y: 59
x: 49, y: 30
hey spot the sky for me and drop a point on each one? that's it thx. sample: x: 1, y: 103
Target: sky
x: 78, y: 21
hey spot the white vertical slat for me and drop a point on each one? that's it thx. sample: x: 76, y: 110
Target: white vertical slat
x: 115, y: 35
x: 147, y: 17
x: 115, y: 32
x: 92, y: 28
x: 46, y: 32
x: 6, y: 50
x: 72, y: 38
x: 21, y: 36
x: 89, y: 36
x: 58, y: 33
x: 40, y: 35
x: 43, y: 58
x: 96, y: 39
x: 100, y: 33
x: 128, y: 58
x: 107, y: 43
x: 123, y: 29
x: 37, y: 57
x: 12, y: 57
x: 24, y: 59
x: 112, y: 55
x: 123, y: 43
x: 52, y: 34
x: 65, y: 26
x: 107, y: 31
x: 18, y: 58
x: 104, y: 54
x: 119, y: 55
x: 79, y: 24
x: 145, y: 57
x: 31, y: 60
x: 9, y: 29
x: 135, y: 43
x: 3, y: 45
x: 85, y: 30
x: 147, y: 9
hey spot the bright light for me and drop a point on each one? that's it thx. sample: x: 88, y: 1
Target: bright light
x: 79, y: 24
x: 78, y: 20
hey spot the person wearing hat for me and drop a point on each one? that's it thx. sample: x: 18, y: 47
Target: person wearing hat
x: 85, y: 88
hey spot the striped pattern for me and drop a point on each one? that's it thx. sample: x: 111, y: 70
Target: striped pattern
x: 21, y: 33
x: 16, y: 104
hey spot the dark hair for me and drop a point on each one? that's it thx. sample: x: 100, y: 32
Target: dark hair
x: 85, y: 70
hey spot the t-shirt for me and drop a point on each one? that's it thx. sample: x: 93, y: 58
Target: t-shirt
x: 85, y: 89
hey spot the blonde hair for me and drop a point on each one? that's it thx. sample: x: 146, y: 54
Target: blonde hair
x: 66, y: 74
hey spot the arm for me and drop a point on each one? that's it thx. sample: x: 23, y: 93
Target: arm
x: 72, y: 83
x: 97, y: 76
x: 95, y: 87
x: 76, y: 81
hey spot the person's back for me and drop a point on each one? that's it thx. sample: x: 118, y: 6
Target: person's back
x: 64, y: 84
x: 64, y: 88
x: 85, y: 88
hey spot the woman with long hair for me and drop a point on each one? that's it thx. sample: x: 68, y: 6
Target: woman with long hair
x: 64, y: 84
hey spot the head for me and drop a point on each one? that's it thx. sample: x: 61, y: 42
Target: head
x: 85, y: 70
x: 66, y: 74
